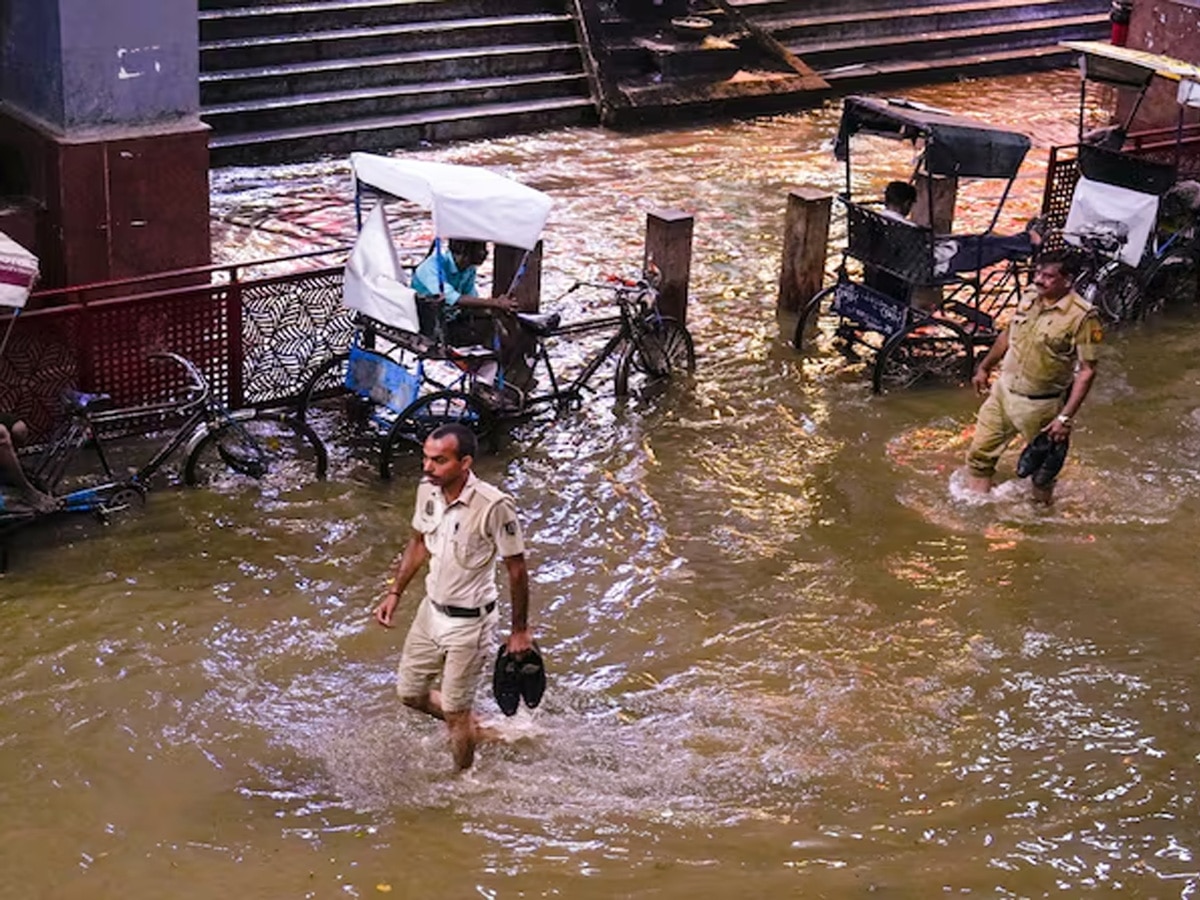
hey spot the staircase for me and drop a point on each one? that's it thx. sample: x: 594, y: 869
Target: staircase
x: 292, y: 80
x: 875, y: 44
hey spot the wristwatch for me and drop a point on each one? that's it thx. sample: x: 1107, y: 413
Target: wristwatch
x: 1063, y: 419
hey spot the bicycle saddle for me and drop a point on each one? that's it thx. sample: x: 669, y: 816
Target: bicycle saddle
x: 541, y: 324
x: 78, y: 401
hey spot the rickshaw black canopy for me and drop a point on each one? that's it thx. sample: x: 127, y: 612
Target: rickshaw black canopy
x: 954, y: 145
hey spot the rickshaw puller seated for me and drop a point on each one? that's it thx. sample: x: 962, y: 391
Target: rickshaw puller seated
x: 470, y: 319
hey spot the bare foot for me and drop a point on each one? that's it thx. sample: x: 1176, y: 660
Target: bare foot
x: 980, y: 484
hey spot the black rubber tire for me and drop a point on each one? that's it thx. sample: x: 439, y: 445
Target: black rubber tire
x: 1116, y: 292
x: 931, y: 350
x: 426, y: 413
x: 277, y: 441
x: 327, y: 380
x: 805, y: 337
x: 667, y: 350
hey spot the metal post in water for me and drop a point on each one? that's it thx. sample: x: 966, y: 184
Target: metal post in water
x: 805, y: 245
x: 669, y: 250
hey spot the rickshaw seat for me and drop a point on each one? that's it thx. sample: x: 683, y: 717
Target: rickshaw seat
x: 901, y: 248
x: 541, y: 324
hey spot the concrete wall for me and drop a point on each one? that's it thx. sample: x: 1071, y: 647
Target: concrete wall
x: 85, y: 63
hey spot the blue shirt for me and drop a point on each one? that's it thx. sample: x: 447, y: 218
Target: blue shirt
x: 455, y: 283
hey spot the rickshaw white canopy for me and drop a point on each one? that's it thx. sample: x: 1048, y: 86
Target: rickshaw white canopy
x: 18, y: 273
x: 468, y: 202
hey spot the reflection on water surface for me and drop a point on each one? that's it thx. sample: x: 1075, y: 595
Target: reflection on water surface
x: 786, y: 660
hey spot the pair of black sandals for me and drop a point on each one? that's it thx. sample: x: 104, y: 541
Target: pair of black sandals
x: 1042, y: 458
x: 518, y: 677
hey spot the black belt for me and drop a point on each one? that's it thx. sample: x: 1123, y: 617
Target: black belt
x: 1037, y: 396
x: 464, y: 612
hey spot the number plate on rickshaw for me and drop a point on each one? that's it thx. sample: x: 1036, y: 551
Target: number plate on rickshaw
x: 869, y: 309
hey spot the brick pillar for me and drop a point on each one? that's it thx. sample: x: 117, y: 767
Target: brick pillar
x: 669, y: 249
x: 805, y: 244
x: 100, y: 130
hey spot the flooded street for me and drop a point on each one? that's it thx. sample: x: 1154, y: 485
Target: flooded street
x: 786, y: 658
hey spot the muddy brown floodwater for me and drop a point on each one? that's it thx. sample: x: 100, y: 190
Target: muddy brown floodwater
x: 786, y: 659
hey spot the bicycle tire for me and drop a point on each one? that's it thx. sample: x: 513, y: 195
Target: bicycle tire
x: 256, y: 445
x: 805, y: 338
x: 328, y: 379
x: 418, y: 420
x: 1116, y: 292
x: 663, y: 349
x: 932, y: 350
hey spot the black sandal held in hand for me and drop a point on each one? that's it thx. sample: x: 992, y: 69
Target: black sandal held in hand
x: 518, y: 677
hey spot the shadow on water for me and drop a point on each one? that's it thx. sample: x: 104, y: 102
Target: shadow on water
x: 787, y: 656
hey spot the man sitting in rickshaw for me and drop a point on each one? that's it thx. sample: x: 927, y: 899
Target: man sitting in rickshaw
x: 471, y: 319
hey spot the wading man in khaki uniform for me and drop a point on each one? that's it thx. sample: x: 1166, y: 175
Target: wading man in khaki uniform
x: 1047, y: 358
x: 460, y: 526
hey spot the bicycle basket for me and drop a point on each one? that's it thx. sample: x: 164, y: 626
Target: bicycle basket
x: 381, y: 380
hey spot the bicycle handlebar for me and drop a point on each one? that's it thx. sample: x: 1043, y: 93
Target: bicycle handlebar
x: 198, y: 382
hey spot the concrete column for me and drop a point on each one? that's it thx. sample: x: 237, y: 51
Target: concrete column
x: 100, y: 127
x: 945, y: 195
x: 669, y: 249
x: 805, y: 244
x: 505, y: 264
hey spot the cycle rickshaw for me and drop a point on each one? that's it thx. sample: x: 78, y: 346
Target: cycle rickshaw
x: 400, y: 377
x: 1128, y: 202
x: 919, y: 305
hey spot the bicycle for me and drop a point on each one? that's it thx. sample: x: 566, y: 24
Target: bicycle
x: 249, y: 443
x: 402, y: 398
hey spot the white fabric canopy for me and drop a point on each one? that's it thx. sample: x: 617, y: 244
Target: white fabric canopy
x: 466, y: 201
x: 18, y: 273
x: 374, y: 282
x: 1094, y: 201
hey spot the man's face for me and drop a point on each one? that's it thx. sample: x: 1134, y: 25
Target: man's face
x: 442, y: 464
x: 1051, y: 281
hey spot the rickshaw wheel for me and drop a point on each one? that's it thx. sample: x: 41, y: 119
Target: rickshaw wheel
x: 667, y: 350
x: 808, y: 330
x: 929, y: 350
x: 418, y: 420
x: 327, y: 380
x: 1116, y: 292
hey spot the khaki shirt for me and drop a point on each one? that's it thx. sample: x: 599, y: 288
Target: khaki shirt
x: 464, y: 540
x: 1045, y: 341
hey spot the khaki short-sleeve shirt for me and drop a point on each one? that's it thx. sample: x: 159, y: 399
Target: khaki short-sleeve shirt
x: 464, y: 538
x: 1044, y: 342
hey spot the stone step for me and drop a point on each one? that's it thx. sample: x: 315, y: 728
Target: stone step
x: 315, y: 15
x: 388, y: 101
x: 830, y: 54
x: 918, y: 18
x: 867, y: 76
x: 395, y: 69
x: 347, y: 43
x: 391, y: 132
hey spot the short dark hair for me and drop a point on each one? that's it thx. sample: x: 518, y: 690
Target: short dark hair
x: 899, y: 193
x: 464, y: 438
x: 474, y: 252
x: 1068, y: 263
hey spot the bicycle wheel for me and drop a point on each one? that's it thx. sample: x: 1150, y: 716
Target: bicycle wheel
x: 808, y: 328
x: 423, y: 415
x: 661, y: 350
x: 1116, y: 292
x: 930, y: 351
x: 256, y: 445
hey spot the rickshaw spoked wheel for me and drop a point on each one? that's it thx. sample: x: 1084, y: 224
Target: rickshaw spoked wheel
x: 418, y: 420
x: 929, y: 350
x: 808, y: 329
